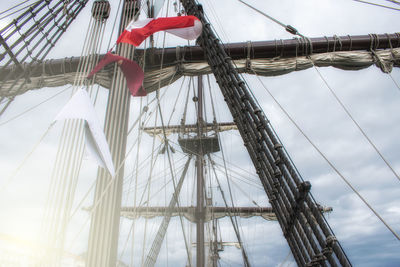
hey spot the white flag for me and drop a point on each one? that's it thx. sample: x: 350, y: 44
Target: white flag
x: 80, y: 107
x: 157, y: 5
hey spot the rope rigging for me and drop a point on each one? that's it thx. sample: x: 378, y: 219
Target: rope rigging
x: 16, y: 11
x: 348, y: 114
x: 35, y: 106
x: 264, y: 152
x: 234, y: 222
x: 331, y: 164
x: 37, y: 39
x: 68, y: 160
x: 310, y: 245
x: 379, y: 5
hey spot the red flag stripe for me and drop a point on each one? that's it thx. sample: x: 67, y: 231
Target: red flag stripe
x: 132, y: 71
x: 138, y: 31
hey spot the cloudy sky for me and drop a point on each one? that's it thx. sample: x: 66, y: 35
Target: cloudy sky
x: 371, y: 97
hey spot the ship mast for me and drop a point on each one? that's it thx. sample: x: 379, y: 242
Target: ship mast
x: 200, y: 210
x: 104, y: 229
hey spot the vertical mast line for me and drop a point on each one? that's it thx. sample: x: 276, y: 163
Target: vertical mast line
x: 168, y: 153
x: 102, y: 248
x: 56, y: 233
x: 234, y: 223
x: 173, y: 179
x: 152, y: 163
x: 119, y: 167
x: 110, y: 183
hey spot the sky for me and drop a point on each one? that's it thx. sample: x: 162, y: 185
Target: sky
x: 370, y: 95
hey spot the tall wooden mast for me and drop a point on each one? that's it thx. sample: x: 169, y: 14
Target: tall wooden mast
x: 104, y: 229
x: 200, y: 209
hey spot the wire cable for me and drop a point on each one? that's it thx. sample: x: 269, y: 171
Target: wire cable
x: 374, y: 4
x: 25, y: 7
x: 327, y: 160
x: 14, y: 173
x: 11, y: 8
x: 355, y: 122
x: 288, y: 28
x: 394, y: 2
x: 394, y: 81
x: 33, y: 107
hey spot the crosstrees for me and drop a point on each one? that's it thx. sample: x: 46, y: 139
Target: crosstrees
x: 311, y: 240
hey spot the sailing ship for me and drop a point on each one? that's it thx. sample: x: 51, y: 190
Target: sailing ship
x: 187, y: 192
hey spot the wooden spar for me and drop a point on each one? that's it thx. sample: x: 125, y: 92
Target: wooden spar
x: 200, y: 205
x: 253, y: 50
x: 210, y: 212
x: 280, y: 48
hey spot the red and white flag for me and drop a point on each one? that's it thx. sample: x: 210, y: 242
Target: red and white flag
x: 132, y: 71
x: 186, y: 27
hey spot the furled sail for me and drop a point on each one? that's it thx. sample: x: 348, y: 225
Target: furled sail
x: 52, y: 73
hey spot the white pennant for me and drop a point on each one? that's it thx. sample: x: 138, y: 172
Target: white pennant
x: 80, y: 107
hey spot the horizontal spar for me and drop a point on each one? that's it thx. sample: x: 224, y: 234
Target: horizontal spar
x: 267, y: 58
x: 211, y: 212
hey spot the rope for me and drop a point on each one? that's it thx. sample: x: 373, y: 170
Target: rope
x: 9, y: 101
x: 285, y: 260
x: 35, y: 106
x: 214, y: 13
x: 168, y: 152
x: 174, y: 183
x: 11, y: 8
x: 183, y: 120
x: 394, y: 81
x: 234, y: 224
x: 176, y: 101
x: 245, y: 193
x: 288, y: 28
x: 394, y: 2
x: 245, y: 257
x: 221, y: 165
x: 140, y: 132
x: 369, y: 3
x: 297, y: 33
x: 355, y: 122
x: 14, y: 173
x: 106, y: 188
x: 25, y: 7
x: 69, y: 157
x: 327, y: 160
x: 149, y: 185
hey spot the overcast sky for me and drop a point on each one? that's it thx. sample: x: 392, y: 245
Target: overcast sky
x: 370, y: 95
